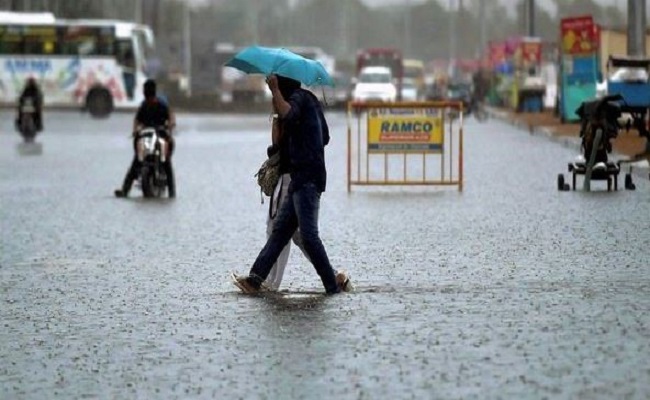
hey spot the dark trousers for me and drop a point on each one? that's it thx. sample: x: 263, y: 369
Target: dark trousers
x: 299, y: 210
x: 134, y: 170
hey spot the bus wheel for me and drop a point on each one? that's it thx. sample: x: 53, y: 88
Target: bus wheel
x: 99, y: 103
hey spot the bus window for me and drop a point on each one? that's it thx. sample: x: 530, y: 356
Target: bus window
x: 39, y: 40
x: 106, y: 42
x: 79, y: 40
x: 11, y: 47
x: 11, y: 40
x: 39, y: 46
x: 142, y: 49
x: 126, y: 58
x: 124, y: 53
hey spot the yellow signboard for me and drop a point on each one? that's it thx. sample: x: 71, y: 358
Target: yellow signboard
x: 416, y: 130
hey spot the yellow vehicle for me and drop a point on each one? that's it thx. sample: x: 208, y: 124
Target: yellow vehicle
x: 414, y: 71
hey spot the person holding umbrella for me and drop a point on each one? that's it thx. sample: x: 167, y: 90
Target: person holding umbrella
x: 280, y: 144
x: 305, y: 130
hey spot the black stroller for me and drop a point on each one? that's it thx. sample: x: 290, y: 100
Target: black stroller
x: 598, y: 126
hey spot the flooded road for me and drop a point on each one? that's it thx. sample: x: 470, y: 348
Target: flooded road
x: 509, y: 289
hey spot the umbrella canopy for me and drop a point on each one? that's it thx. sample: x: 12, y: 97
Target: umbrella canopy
x: 280, y: 61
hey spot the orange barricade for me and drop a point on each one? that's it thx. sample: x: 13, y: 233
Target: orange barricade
x: 406, y: 143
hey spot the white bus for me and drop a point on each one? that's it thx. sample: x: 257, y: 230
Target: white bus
x: 93, y: 64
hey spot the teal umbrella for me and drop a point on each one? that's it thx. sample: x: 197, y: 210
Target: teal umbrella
x: 280, y: 61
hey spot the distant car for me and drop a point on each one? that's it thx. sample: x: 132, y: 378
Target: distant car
x: 375, y: 84
x: 460, y: 92
x: 409, y: 90
x: 435, y: 92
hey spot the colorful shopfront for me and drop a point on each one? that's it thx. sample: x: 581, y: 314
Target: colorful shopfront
x: 579, y: 64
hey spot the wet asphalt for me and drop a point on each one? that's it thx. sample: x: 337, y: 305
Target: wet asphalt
x: 509, y: 289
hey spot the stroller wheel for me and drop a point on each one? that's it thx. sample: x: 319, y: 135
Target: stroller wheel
x: 561, y: 186
x: 629, y: 185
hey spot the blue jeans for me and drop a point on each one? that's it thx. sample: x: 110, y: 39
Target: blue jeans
x: 300, y: 210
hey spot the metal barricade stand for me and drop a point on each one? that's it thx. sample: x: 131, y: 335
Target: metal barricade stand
x: 421, y: 134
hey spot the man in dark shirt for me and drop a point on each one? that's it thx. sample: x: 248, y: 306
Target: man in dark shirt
x: 155, y: 113
x: 302, y: 119
x: 31, y: 93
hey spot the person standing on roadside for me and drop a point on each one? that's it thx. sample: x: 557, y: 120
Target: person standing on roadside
x: 302, y: 121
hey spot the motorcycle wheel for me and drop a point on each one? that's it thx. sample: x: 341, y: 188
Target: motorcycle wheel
x: 159, y: 181
x: 28, y: 128
x: 480, y: 113
x: 148, y: 183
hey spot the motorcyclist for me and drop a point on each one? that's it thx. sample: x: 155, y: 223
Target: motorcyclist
x: 32, y: 92
x: 153, y: 112
x: 480, y: 88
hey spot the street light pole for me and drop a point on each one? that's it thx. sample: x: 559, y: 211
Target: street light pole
x: 531, y: 18
x: 343, y: 29
x: 187, y: 39
x: 483, y: 28
x: 452, y: 38
x: 407, y: 27
x: 636, y: 24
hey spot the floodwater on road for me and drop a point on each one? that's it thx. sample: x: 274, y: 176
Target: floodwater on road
x: 508, y: 289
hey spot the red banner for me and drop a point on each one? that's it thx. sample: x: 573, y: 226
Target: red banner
x: 512, y: 45
x: 497, y: 53
x: 531, y: 52
x: 579, y: 35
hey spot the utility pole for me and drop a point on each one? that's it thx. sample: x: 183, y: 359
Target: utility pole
x: 407, y: 27
x: 187, y: 46
x: 636, y: 24
x: 138, y: 11
x: 452, y: 38
x: 483, y: 28
x: 530, y: 17
x: 155, y: 17
x: 344, y: 30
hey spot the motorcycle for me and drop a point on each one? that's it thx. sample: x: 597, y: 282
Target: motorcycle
x: 152, y: 154
x: 477, y: 108
x: 27, y: 123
